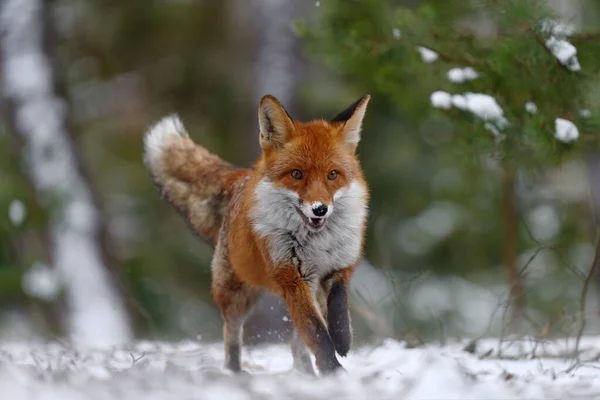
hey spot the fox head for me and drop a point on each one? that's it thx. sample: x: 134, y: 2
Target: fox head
x: 311, y: 177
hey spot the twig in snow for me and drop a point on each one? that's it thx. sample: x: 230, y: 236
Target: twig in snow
x: 582, y: 300
x: 559, y: 254
x: 135, y: 359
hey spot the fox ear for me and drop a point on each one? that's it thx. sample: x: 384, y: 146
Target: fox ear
x: 275, y: 124
x: 352, y: 118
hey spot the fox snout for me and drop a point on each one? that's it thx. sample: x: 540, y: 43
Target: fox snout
x: 319, y: 210
x: 316, y: 209
x: 314, y: 214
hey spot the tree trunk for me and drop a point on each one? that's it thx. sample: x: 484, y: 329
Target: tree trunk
x: 96, y: 315
x: 276, y: 60
x: 276, y: 74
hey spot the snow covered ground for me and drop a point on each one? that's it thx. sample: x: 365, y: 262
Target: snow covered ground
x: 192, y: 370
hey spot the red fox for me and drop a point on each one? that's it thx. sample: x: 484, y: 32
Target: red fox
x: 293, y: 224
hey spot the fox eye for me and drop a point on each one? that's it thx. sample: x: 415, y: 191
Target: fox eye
x: 296, y: 174
x: 332, y: 175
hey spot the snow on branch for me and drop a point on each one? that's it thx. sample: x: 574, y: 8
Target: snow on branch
x: 427, y: 55
x: 531, y: 107
x: 441, y: 99
x: 566, y: 131
x: 460, y: 75
x: 16, y: 212
x: 557, y: 28
x: 481, y: 105
x: 564, y: 52
x: 96, y: 313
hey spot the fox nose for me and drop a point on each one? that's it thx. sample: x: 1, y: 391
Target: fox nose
x: 320, y: 210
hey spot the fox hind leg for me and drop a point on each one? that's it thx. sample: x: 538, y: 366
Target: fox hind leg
x: 235, y: 304
x: 235, y: 299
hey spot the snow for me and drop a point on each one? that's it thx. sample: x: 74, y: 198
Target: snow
x: 492, y: 128
x: 96, y: 314
x: 441, y: 99
x: 564, y: 52
x: 566, y: 131
x: 482, y: 105
x: 460, y: 75
x: 531, y: 107
x: 396, y: 33
x: 585, y: 113
x: 427, y: 55
x: 543, y: 222
x: 42, y: 282
x: 16, y: 212
x: 459, y: 101
x: 557, y: 28
x: 389, y: 370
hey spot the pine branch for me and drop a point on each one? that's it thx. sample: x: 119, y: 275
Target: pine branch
x: 468, y: 60
x: 585, y: 37
x: 528, y: 28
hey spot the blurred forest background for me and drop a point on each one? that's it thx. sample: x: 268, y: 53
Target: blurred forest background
x: 466, y: 236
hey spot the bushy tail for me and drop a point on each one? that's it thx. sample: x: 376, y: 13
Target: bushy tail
x: 188, y: 176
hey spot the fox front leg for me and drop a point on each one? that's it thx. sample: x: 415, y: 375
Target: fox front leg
x: 306, y: 318
x: 338, y: 313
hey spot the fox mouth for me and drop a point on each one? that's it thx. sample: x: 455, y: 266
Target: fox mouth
x: 313, y: 224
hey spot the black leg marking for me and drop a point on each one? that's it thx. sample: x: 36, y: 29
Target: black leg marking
x: 326, y: 360
x: 233, y: 358
x: 338, y: 318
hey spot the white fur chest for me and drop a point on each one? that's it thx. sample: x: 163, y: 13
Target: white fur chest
x: 317, y: 254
